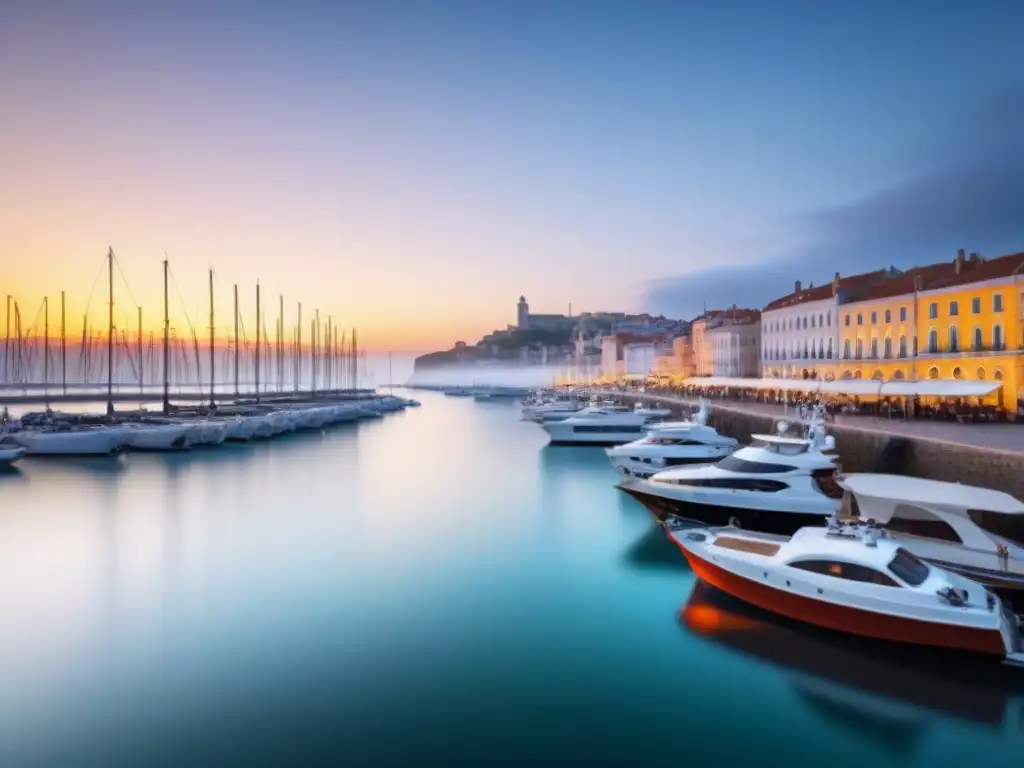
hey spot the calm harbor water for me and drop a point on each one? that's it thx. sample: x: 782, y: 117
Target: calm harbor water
x: 433, y: 588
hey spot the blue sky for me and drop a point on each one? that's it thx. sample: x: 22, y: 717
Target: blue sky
x: 413, y: 167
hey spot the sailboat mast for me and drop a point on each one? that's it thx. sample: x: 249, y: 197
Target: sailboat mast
x: 355, y: 361
x: 110, y: 332
x: 236, y: 339
x: 7, y: 343
x: 327, y: 347
x: 63, y: 349
x: 280, y: 342
x: 142, y: 368
x: 167, y: 359
x: 257, y: 341
x: 212, y: 402
x: 46, y: 348
x: 298, y: 349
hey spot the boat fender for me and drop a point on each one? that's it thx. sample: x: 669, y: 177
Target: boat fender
x: 734, y: 522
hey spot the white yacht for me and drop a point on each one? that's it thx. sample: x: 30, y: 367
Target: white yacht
x: 976, y: 532
x: 553, y: 410
x: 156, y: 437
x: 70, y: 441
x: 778, y: 484
x: 672, y: 444
x: 603, y: 426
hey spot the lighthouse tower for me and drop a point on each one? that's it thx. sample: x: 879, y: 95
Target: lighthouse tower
x: 522, y: 314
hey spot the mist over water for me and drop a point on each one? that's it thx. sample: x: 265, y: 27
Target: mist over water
x: 489, y: 375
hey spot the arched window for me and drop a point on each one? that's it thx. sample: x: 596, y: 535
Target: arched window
x: 878, y: 375
x: 978, y: 339
x: 887, y: 349
x: 860, y: 319
x: 860, y: 349
x: 812, y: 321
x: 997, y: 336
x: 830, y: 349
x: 954, y: 339
x: 846, y: 349
x: 856, y: 374
x: 957, y: 373
x: 821, y: 349
x: 874, y: 348
x: 814, y: 352
x: 821, y: 321
x: 933, y: 341
x: 998, y: 375
x: 898, y: 375
x: 805, y: 346
x: 847, y: 375
x: 981, y: 374
x: 903, y: 346
x: 933, y: 372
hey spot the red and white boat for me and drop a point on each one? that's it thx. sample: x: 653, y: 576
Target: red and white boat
x: 855, y: 579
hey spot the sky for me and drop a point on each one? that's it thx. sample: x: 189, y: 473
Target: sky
x: 411, y: 168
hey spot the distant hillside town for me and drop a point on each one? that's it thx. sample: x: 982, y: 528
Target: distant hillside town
x: 561, y: 340
x: 960, y: 319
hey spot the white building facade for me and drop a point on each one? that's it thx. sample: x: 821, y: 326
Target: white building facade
x: 800, y: 334
x: 639, y: 359
x: 735, y: 349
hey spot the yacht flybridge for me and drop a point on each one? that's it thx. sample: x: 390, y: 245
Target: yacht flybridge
x: 671, y: 444
x: 779, y: 484
x: 855, y: 579
x: 603, y: 425
x: 976, y: 532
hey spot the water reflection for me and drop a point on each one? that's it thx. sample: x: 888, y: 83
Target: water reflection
x: 654, y: 551
x: 880, y: 689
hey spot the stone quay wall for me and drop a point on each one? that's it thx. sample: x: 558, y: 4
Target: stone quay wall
x: 859, y: 446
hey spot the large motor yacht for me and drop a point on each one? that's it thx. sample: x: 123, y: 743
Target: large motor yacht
x: 603, y: 425
x: 858, y: 581
x: 779, y: 484
x: 672, y: 444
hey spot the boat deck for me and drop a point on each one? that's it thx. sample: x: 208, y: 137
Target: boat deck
x: 766, y: 548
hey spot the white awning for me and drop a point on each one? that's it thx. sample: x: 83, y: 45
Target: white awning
x: 941, y: 388
x: 895, y: 388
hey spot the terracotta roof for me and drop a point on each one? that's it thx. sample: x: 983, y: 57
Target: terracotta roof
x: 820, y: 292
x: 944, y: 275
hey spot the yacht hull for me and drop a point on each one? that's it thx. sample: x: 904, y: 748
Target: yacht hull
x: 765, y: 521
x: 843, y: 618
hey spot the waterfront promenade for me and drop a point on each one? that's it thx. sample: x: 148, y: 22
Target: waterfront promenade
x: 996, y: 437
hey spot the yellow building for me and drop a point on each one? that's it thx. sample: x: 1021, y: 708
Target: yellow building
x: 956, y: 320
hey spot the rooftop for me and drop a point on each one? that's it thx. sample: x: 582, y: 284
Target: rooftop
x: 818, y: 293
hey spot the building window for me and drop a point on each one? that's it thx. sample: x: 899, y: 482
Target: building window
x: 954, y: 310
x: 957, y: 373
x: 933, y: 372
x: 846, y: 349
x: 828, y: 319
x: 888, y: 347
x: 878, y: 375
x: 846, y: 320
x: 860, y: 319
x: 998, y: 376
x: 847, y: 375
x: 981, y: 374
x: 978, y: 339
x: 933, y: 311
x: 821, y: 321
x: 903, y: 346
x: 821, y: 349
x: 857, y: 374
x: 997, y: 336
x: 933, y: 341
x: 976, y: 305
x: 874, y: 318
x: 997, y: 302
x: 830, y: 349
x: 812, y: 321
x: 888, y: 316
x: 954, y: 340
x: 860, y: 349
x: 874, y: 349
x: 898, y: 375
x: 903, y: 314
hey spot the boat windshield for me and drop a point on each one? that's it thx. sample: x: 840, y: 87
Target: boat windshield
x: 734, y: 464
x: 1007, y: 526
x: 909, y: 568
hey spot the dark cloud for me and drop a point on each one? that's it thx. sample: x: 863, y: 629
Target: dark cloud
x: 973, y: 198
